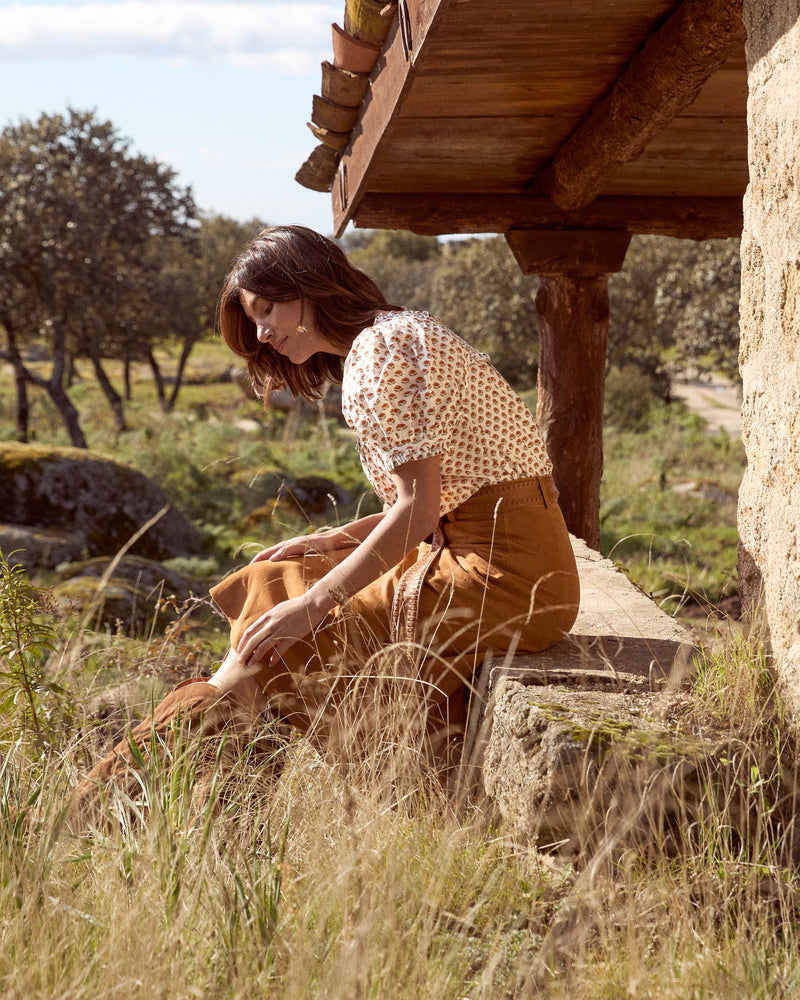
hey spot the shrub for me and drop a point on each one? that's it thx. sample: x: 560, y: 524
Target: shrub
x: 630, y: 397
x: 27, y: 639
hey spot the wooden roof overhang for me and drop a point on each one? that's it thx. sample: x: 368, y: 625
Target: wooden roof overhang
x: 568, y: 126
x: 486, y: 116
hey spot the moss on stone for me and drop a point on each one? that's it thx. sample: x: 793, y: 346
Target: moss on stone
x: 118, y: 602
x: 605, y: 732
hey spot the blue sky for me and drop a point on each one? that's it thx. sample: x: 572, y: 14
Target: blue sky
x: 220, y: 91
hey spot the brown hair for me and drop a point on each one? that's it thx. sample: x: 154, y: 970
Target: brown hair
x: 284, y: 263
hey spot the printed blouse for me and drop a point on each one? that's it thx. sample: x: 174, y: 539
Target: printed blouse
x: 413, y: 389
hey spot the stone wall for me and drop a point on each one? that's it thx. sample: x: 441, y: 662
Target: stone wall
x: 769, y: 507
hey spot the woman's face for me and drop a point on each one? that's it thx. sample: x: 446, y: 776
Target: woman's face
x: 289, y: 327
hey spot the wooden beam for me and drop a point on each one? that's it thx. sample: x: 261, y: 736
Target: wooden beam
x: 573, y: 332
x: 439, y: 214
x: 579, y: 254
x: 661, y: 80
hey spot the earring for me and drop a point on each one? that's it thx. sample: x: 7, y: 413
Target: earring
x: 301, y: 330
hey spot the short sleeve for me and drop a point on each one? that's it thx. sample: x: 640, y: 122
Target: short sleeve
x: 398, y: 386
x: 413, y: 389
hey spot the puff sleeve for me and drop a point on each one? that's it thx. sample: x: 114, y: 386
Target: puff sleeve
x: 395, y: 387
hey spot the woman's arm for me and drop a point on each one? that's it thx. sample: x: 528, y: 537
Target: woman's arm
x: 399, y: 530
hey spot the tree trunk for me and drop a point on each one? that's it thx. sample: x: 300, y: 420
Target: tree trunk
x: 72, y: 374
x: 573, y: 331
x: 68, y: 413
x: 111, y: 394
x: 186, y: 350
x: 20, y: 382
x: 23, y: 406
x: 157, y: 378
x: 54, y: 386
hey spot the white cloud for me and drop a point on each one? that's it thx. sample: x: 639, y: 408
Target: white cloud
x: 290, y: 36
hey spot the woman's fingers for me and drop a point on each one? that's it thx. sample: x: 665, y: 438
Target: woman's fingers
x: 256, y: 647
x: 282, y: 626
x: 280, y: 550
x: 259, y: 644
x: 294, y: 547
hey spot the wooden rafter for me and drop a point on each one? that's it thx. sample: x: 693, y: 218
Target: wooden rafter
x: 432, y: 214
x: 661, y: 80
x: 404, y: 46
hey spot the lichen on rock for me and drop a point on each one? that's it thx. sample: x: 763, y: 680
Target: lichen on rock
x: 588, y: 771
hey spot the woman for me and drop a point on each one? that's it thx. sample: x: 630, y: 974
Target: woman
x: 469, y: 555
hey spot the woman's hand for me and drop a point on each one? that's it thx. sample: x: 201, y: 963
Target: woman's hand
x: 393, y: 534
x: 298, y: 546
x: 267, y: 638
x: 385, y: 541
x: 321, y: 541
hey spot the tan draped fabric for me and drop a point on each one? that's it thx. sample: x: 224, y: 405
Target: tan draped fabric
x: 504, y: 577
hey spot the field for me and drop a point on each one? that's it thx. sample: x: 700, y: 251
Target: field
x: 362, y: 881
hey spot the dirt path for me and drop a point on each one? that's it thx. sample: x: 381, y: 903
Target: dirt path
x: 715, y: 400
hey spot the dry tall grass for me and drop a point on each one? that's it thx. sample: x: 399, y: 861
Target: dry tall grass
x: 363, y: 882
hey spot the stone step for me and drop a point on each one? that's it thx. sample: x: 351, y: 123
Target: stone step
x: 604, y: 682
x: 621, y: 640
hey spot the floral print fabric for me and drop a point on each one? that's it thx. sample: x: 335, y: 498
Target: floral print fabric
x: 413, y: 389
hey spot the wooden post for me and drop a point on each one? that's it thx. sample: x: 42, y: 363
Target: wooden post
x: 572, y: 305
x: 573, y: 332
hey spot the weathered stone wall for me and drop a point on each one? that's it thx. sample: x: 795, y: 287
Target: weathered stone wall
x: 769, y: 507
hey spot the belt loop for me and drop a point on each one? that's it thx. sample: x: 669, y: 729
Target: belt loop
x: 543, y: 484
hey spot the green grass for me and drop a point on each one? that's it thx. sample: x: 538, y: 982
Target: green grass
x: 658, y: 520
x: 676, y: 546
x: 660, y: 515
x: 363, y: 882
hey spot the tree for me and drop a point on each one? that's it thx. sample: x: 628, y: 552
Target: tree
x: 475, y: 286
x: 79, y: 214
x: 699, y: 296
x: 401, y: 264
x: 675, y: 305
x: 480, y: 292
x: 191, y: 278
x: 637, y: 337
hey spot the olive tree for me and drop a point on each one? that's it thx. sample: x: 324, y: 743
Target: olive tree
x: 481, y: 293
x: 401, y: 264
x: 80, y: 213
x: 675, y: 307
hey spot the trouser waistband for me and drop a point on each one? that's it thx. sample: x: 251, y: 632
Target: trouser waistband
x: 535, y: 490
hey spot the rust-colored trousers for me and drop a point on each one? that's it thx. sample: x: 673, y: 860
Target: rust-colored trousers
x: 500, y: 574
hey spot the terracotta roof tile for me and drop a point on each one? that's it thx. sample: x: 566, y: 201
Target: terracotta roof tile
x: 345, y: 82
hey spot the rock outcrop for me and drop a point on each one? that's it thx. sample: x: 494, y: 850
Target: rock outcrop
x: 599, y: 771
x: 136, y: 593
x: 62, y: 503
x: 575, y: 750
